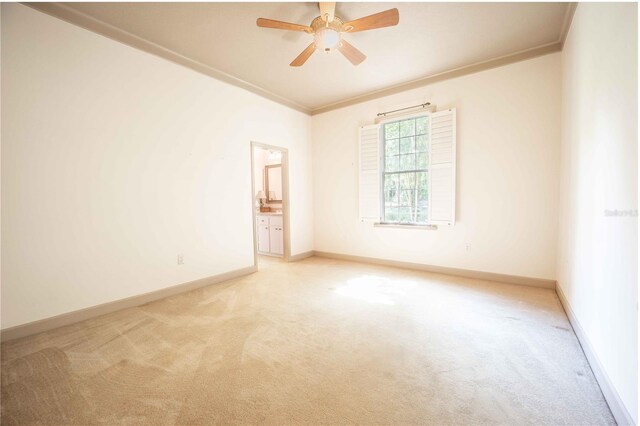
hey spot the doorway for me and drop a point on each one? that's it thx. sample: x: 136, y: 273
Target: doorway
x: 270, y: 203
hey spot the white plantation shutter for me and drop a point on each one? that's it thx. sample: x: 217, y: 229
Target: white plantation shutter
x: 369, y: 172
x: 442, y: 167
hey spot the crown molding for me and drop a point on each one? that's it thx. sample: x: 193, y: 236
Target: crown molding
x: 568, y: 20
x: 458, y: 72
x: 72, y: 16
x: 68, y: 14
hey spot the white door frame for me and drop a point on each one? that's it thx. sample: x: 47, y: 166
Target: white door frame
x: 285, y: 199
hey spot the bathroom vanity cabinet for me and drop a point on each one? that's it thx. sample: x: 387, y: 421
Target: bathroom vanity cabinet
x: 270, y: 234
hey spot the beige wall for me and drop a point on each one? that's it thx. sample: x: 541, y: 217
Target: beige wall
x: 508, y: 139
x: 114, y: 161
x: 597, y: 267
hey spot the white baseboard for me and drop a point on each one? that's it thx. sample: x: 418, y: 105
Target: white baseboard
x: 105, y: 308
x: 467, y: 273
x: 300, y: 256
x: 617, y: 407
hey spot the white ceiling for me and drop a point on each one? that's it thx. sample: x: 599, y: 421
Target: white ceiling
x: 431, y: 38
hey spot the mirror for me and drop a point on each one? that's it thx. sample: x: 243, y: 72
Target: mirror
x: 273, y: 183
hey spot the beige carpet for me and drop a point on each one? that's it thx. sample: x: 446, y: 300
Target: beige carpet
x: 313, y: 342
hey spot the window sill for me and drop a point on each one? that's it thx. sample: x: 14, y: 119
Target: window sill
x: 405, y: 226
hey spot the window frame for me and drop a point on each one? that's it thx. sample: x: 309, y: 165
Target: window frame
x: 382, y: 150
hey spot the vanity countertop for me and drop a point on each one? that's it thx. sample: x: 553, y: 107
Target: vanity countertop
x: 259, y: 213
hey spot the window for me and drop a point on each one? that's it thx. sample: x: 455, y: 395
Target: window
x: 405, y: 171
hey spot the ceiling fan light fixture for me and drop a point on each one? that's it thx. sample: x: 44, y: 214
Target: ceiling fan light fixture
x: 327, y: 38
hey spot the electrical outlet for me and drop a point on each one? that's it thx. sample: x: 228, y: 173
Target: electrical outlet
x: 180, y: 259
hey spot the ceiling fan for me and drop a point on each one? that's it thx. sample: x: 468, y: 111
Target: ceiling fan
x: 327, y: 30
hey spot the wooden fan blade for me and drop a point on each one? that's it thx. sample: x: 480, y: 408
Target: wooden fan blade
x: 327, y: 9
x: 351, y: 53
x: 387, y: 18
x: 279, y: 25
x: 302, y: 58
